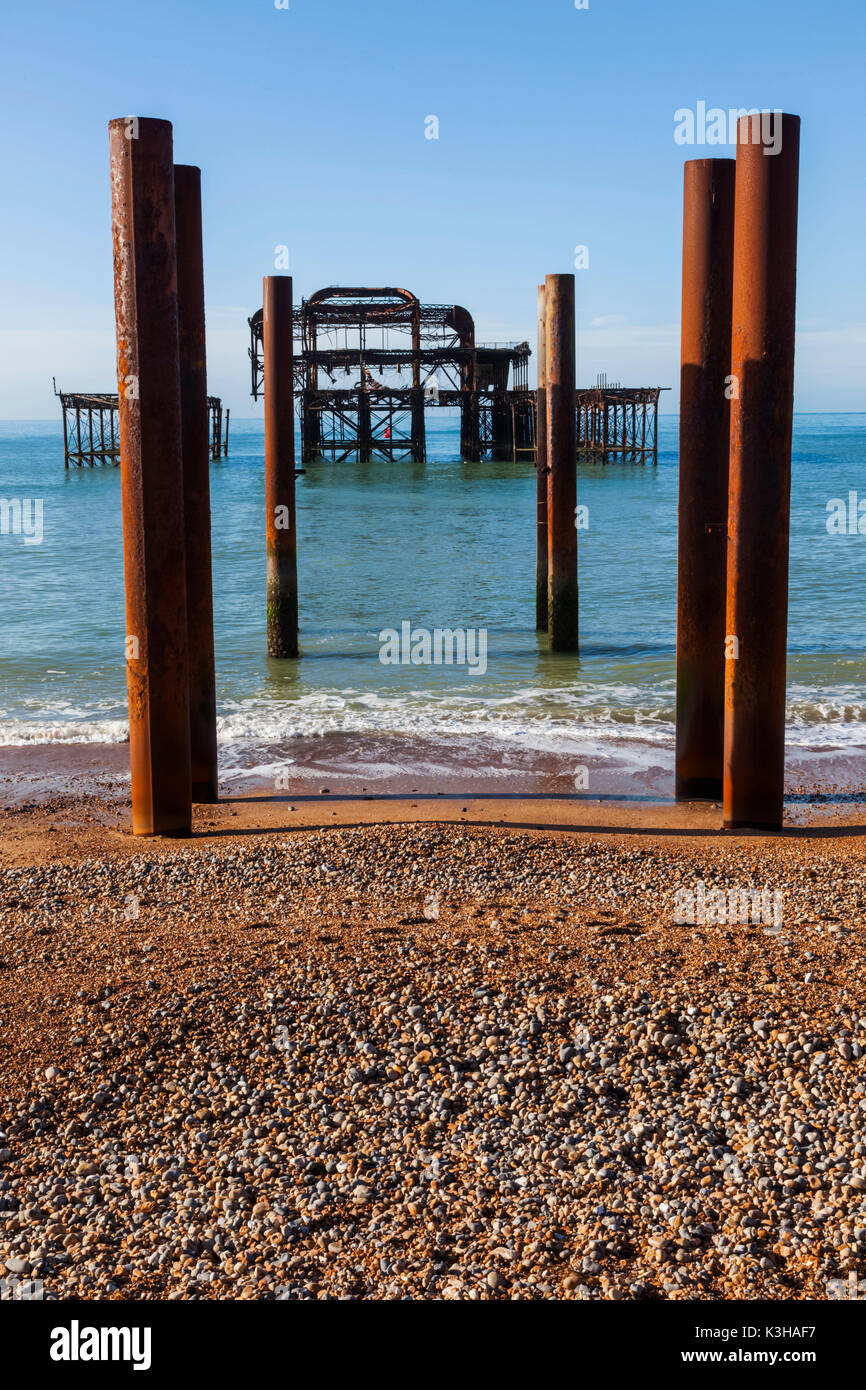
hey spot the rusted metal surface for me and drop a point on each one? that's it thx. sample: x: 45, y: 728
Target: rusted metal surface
x: 762, y: 365
x: 708, y: 265
x: 282, y: 569
x: 386, y: 356
x: 562, y: 597
x: 618, y: 422
x: 371, y: 337
x: 145, y: 292
x: 90, y: 429
x: 196, y: 452
x: 541, y: 474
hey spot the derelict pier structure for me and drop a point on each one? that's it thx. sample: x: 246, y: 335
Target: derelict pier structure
x: 618, y: 422
x: 367, y: 362
x: 90, y: 428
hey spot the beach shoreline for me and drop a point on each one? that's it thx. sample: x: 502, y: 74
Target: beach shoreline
x: 383, y: 766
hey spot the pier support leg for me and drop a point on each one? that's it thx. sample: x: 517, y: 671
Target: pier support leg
x: 311, y: 429
x: 762, y: 365
x: 365, y: 437
x: 419, y: 433
x: 501, y: 440
x: 469, y: 446
x: 196, y: 451
x: 562, y: 603
x: 541, y: 474
x: 708, y: 267
x: 145, y: 298
x: 282, y: 570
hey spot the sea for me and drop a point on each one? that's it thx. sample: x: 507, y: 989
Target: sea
x: 443, y: 544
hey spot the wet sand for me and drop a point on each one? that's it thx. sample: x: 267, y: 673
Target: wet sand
x: 96, y: 776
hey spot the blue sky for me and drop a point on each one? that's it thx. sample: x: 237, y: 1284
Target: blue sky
x: 555, y: 130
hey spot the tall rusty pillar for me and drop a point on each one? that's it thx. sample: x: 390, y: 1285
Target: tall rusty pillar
x: 282, y: 570
x: 195, y: 448
x: 541, y: 474
x: 708, y: 269
x: 148, y: 383
x: 762, y: 366
x: 562, y: 602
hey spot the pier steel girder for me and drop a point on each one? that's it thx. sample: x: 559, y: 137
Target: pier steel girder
x: 404, y: 355
x: 618, y: 422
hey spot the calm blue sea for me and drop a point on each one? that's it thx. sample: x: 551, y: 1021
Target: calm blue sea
x: 441, y: 544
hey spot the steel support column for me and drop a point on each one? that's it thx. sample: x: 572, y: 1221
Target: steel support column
x: 541, y: 473
x: 708, y: 265
x: 562, y: 462
x: 762, y: 366
x: 282, y: 568
x: 145, y: 296
x: 196, y: 451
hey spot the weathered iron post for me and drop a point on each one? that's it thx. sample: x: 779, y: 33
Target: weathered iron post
x: 419, y: 426
x: 562, y: 598
x: 282, y: 566
x: 501, y: 437
x: 226, y: 444
x: 541, y: 474
x: 365, y: 434
x: 762, y: 370
x: 708, y: 268
x: 195, y: 448
x: 461, y: 321
x: 148, y: 381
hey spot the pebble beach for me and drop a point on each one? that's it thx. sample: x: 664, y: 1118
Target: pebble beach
x: 431, y: 1061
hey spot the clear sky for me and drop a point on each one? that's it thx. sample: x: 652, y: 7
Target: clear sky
x: 556, y: 129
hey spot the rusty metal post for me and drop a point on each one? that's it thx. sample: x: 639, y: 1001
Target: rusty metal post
x: 196, y: 450
x: 419, y: 426
x: 541, y: 474
x: 226, y: 444
x: 762, y: 368
x: 277, y: 357
x: 562, y: 601
x: 708, y: 268
x: 148, y: 380
x: 364, y: 431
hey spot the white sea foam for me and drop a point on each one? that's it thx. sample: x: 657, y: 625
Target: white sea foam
x: 562, y: 722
